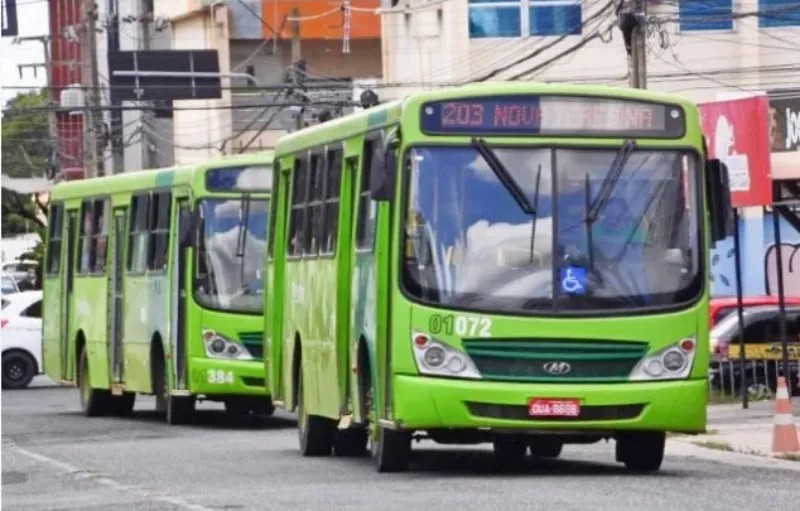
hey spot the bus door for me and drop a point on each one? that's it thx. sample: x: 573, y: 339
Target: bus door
x: 68, y: 285
x: 180, y: 284
x: 115, y: 295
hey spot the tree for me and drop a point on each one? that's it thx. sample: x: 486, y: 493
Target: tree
x: 26, y: 146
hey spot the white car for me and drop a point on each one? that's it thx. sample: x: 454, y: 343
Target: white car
x: 21, y: 320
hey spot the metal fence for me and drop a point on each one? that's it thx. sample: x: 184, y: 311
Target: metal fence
x: 760, y: 378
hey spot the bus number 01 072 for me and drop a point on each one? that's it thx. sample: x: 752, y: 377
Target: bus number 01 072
x: 462, y: 326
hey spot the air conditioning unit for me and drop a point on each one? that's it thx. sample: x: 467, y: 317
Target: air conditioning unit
x: 72, y: 97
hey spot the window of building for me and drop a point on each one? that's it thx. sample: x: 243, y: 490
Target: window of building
x: 555, y: 17
x: 705, y: 15
x: 93, y: 236
x: 778, y: 13
x: 494, y: 18
x: 56, y: 228
x: 509, y: 18
x: 331, y: 211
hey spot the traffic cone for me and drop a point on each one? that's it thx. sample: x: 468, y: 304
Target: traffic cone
x: 784, y: 432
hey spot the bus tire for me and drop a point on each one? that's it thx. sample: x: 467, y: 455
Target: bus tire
x: 122, y: 406
x: 641, y: 451
x: 544, y: 447
x: 509, y: 450
x: 177, y: 409
x: 351, y: 442
x: 391, y: 449
x: 316, y: 434
x: 19, y: 368
x: 94, y: 402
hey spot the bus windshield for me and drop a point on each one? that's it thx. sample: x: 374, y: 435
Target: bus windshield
x: 472, y: 240
x: 230, y: 255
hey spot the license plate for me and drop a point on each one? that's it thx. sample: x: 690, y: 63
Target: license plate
x: 554, y: 407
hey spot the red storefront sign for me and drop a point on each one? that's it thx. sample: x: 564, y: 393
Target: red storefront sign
x: 737, y: 132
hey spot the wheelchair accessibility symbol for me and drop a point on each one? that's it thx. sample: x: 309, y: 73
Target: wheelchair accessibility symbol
x: 573, y: 280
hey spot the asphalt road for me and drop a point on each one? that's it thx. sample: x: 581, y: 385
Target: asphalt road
x: 53, y: 458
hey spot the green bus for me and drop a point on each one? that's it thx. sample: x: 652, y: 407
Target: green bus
x: 517, y: 263
x: 153, y: 285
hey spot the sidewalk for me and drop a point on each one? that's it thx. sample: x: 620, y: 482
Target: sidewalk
x: 746, y: 431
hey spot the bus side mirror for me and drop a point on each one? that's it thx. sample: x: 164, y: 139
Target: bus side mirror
x: 383, y: 169
x: 719, y: 200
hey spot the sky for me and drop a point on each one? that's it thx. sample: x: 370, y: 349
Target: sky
x: 32, y: 16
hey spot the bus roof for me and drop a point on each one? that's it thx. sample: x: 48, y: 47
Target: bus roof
x: 389, y: 113
x: 183, y: 175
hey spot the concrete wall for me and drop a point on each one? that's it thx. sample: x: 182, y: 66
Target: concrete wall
x: 432, y: 45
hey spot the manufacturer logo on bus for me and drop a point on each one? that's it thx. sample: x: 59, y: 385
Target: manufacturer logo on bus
x: 557, y: 368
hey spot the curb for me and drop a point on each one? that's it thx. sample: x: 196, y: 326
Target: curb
x: 678, y: 447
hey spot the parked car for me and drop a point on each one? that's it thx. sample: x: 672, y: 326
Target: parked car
x: 722, y: 307
x: 763, y: 347
x: 21, y: 323
x: 18, y: 268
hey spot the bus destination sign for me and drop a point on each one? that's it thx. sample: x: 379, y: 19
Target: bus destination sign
x: 552, y: 115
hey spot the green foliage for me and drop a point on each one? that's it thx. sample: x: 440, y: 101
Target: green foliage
x: 25, y: 147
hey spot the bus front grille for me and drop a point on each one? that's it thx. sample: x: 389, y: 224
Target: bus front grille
x: 254, y: 342
x: 554, y: 360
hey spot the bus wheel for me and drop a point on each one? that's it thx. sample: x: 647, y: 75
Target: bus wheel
x: 351, y: 442
x: 94, y: 402
x: 316, y: 434
x: 545, y: 447
x: 509, y: 450
x: 122, y: 406
x: 390, y: 449
x: 641, y: 451
x: 177, y: 409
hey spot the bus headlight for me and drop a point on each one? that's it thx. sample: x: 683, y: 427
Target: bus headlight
x: 218, y: 346
x: 671, y: 363
x: 438, y: 359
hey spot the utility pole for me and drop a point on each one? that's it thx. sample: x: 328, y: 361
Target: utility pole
x: 52, y: 165
x: 298, y: 66
x: 148, y: 156
x: 632, y: 17
x: 93, y: 120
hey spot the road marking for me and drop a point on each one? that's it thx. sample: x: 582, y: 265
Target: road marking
x: 107, y: 481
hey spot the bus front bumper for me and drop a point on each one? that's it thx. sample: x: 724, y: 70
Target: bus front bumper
x: 431, y: 403
x: 213, y: 377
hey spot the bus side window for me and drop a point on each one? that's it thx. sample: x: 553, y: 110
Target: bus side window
x: 56, y: 228
x: 159, y: 231
x: 102, y: 214
x: 313, y: 232
x: 330, y: 215
x: 297, y: 217
x: 85, y: 236
x: 365, y: 224
x: 273, y: 209
x: 137, y: 233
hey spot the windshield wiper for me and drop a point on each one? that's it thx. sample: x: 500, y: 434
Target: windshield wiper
x: 244, y: 225
x: 503, y: 175
x: 610, y: 181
